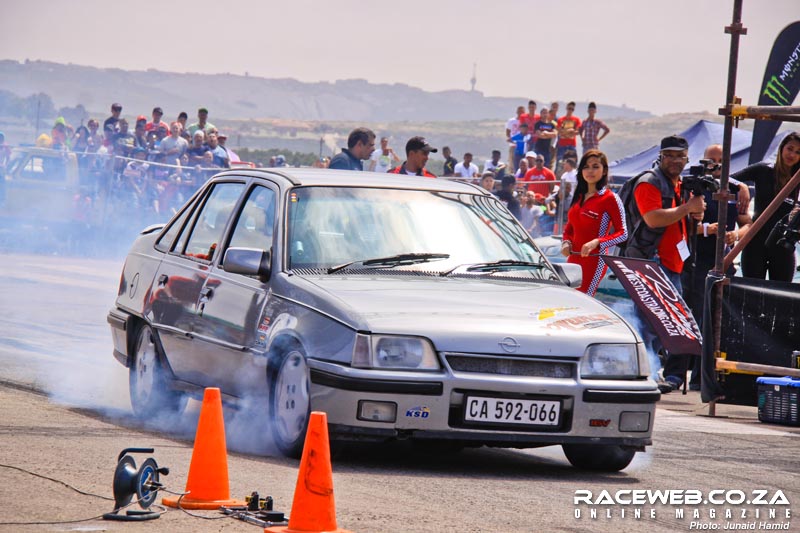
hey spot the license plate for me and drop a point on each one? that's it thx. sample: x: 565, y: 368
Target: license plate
x: 513, y: 411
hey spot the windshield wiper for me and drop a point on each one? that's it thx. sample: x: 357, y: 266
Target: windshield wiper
x: 495, y: 266
x: 393, y: 260
x: 502, y: 264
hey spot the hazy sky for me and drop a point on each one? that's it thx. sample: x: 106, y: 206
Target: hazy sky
x: 652, y: 55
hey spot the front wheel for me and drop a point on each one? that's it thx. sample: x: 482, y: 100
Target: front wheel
x: 290, y: 401
x: 598, y: 457
x: 151, y: 394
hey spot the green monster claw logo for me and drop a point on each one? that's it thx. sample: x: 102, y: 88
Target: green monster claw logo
x: 777, y: 91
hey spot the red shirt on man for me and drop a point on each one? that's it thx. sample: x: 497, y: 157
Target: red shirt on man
x: 568, y: 122
x: 531, y: 122
x: 534, y: 175
x: 648, y: 198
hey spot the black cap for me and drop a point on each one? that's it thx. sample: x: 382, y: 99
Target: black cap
x: 202, y: 110
x: 674, y: 142
x: 158, y: 110
x: 116, y: 106
x: 419, y: 143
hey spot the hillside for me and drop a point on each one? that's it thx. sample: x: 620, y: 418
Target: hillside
x: 246, y: 97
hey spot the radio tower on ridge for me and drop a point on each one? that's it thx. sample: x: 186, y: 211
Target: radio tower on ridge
x: 474, y: 78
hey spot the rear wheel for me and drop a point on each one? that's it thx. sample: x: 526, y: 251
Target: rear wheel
x: 290, y: 401
x: 149, y: 381
x: 598, y: 457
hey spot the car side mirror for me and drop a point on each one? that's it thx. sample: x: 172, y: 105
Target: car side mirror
x: 570, y: 273
x: 248, y: 261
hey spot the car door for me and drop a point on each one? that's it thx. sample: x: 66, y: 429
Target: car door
x: 183, y: 273
x: 231, y: 305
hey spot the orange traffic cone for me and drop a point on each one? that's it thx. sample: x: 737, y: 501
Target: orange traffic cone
x: 207, y: 483
x: 313, y: 510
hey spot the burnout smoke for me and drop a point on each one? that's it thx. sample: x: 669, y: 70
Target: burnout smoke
x: 60, y: 275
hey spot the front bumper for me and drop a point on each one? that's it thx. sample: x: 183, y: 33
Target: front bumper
x: 430, y: 406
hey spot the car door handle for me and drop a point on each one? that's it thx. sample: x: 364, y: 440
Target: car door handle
x: 205, y: 295
x: 162, y: 280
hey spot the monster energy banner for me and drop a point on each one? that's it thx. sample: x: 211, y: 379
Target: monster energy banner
x: 660, y: 302
x: 780, y: 86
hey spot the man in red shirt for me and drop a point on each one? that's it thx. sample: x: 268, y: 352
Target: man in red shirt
x: 530, y: 118
x: 568, y: 127
x: 540, y: 173
x: 659, y: 226
x: 157, y: 125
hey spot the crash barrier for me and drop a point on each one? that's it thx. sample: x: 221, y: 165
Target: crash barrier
x: 313, y: 508
x: 759, y: 334
x: 207, y: 485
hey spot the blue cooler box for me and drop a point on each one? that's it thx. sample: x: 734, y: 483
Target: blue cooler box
x: 778, y: 400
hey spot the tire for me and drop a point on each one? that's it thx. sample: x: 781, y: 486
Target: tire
x: 289, y: 401
x: 598, y: 457
x: 151, y: 394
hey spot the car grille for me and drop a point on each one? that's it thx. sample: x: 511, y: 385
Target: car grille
x: 507, y: 366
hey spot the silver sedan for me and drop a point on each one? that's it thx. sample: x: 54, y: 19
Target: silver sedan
x: 405, y: 308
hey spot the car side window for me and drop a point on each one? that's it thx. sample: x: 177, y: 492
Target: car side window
x: 165, y: 242
x: 256, y: 221
x: 209, y: 225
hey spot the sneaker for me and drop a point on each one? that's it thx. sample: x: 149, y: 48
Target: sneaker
x: 675, y: 381
x: 665, y: 387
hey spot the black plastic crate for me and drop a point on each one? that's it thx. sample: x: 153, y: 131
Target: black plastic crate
x: 778, y: 400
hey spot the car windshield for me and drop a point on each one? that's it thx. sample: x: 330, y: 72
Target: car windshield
x: 329, y: 227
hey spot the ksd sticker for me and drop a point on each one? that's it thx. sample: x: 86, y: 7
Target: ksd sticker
x: 418, y: 412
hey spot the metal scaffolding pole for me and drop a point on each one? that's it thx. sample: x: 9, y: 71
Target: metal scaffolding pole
x: 735, y: 30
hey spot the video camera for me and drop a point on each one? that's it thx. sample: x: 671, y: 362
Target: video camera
x: 700, y: 179
x: 785, y: 234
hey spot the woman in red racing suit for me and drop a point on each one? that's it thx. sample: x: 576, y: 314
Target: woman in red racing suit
x: 595, y: 220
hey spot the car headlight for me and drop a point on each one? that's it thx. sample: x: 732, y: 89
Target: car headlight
x: 394, y: 352
x: 610, y: 361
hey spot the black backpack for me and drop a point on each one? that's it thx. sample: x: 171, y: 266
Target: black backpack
x: 632, y: 216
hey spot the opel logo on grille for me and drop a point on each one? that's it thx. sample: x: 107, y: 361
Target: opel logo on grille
x: 509, y: 345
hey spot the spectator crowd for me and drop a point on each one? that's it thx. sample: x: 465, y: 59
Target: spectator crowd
x: 149, y: 168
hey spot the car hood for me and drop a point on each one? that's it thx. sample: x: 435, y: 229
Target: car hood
x: 469, y: 315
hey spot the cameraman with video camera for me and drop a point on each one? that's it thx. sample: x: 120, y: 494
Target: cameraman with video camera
x: 704, y: 178
x: 658, y: 219
x: 760, y: 256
